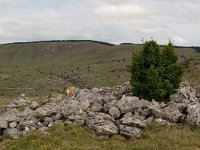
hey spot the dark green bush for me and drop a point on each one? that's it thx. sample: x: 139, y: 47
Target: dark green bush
x: 154, y: 72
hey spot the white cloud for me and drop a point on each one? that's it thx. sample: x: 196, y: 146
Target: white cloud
x: 179, y: 40
x: 123, y: 9
x: 107, y: 20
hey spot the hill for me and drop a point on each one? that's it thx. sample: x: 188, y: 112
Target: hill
x: 40, y: 68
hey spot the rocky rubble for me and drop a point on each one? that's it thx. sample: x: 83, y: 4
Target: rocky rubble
x: 105, y: 111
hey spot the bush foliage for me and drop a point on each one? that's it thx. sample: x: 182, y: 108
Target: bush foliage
x: 154, y: 72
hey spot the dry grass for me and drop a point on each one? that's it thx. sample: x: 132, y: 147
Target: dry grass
x: 5, y: 101
x: 78, y: 138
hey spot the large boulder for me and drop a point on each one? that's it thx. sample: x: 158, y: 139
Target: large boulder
x: 34, y: 105
x: 135, y: 120
x: 71, y: 108
x: 12, y: 115
x: 156, y: 112
x: 47, y: 110
x: 172, y: 114
x: 185, y: 94
x: 193, y: 117
x: 129, y: 104
x: 85, y: 104
x: 12, y: 133
x: 114, y: 112
x: 78, y: 120
x: 3, y: 123
x: 129, y: 131
x: 102, y: 124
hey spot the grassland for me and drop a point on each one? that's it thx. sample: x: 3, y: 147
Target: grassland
x: 79, y: 138
x: 40, y: 68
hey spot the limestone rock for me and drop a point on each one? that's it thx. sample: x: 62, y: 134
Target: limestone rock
x: 78, y: 120
x: 156, y: 112
x: 85, y: 105
x: 34, y: 105
x: 71, y: 108
x: 133, y: 120
x: 3, y: 123
x: 172, y: 114
x: 13, y: 133
x: 193, y: 117
x: 12, y: 115
x: 164, y: 122
x: 102, y: 124
x: 12, y: 124
x: 114, y: 112
x: 128, y: 104
x: 130, y: 131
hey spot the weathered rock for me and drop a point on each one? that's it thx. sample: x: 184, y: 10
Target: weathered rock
x: 46, y: 110
x: 125, y: 89
x: 12, y: 124
x: 40, y: 125
x: 129, y: 104
x: 31, y: 124
x: 26, y: 130
x: 58, y: 116
x: 47, y: 121
x: 130, y: 131
x: 193, y: 117
x: 78, y: 120
x: 102, y: 124
x: 12, y: 133
x: 164, y: 122
x: 186, y: 94
x: 85, y: 105
x: 155, y: 104
x: 148, y: 120
x: 156, y: 112
x: 96, y: 107
x: 71, y: 108
x: 172, y: 114
x: 146, y: 112
x: 12, y: 115
x: 27, y: 112
x: 114, y: 112
x: 3, y: 123
x: 34, y: 105
x: 163, y: 105
x: 133, y: 120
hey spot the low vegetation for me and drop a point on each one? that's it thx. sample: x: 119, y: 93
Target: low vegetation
x: 155, y: 73
x: 79, y: 138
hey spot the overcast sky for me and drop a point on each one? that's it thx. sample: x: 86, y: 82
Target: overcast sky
x: 114, y: 21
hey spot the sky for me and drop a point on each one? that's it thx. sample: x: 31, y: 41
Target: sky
x: 114, y: 21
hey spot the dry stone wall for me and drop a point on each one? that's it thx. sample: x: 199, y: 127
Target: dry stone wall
x: 105, y: 111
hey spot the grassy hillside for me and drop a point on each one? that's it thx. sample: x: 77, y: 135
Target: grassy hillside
x: 40, y: 68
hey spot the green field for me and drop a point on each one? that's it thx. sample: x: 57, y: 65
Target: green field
x: 40, y: 68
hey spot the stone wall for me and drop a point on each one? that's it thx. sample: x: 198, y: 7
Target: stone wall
x: 105, y: 111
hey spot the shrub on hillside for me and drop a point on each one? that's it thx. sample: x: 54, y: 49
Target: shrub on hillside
x: 154, y: 72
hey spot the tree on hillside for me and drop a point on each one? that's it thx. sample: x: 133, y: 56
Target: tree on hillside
x: 154, y: 72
